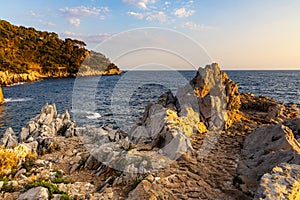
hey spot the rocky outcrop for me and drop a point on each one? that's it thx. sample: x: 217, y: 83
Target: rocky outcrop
x: 265, y: 148
x: 7, y: 78
x: 268, y: 110
x: 87, y: 71
x: 45, y: 127
x: 216, y: 94
x: 283, y: 182
x: 40, y: 133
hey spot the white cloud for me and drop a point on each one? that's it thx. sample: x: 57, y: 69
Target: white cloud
x: 136, y: 15
x: 75, y: 14
x: 197, y: 27
x: 46, y: 23
x: 74, y: 21
x: 157, y: 16
x: 141, y: 4
x: 80, y: 11
x: 183, y: 12
x: 86, y: 37
x: 150, y: 16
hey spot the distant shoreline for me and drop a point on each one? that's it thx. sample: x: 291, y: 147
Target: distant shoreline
x: 7, y: 79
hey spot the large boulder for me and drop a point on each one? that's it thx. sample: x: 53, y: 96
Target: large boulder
x: 282, y: 183
x: 265, y: 148
x: 37, y: 193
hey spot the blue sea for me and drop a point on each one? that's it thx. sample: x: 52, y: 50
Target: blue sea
x: 121, y: 100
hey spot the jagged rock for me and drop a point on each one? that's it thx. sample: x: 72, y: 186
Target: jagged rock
x: 37, y: 193
x: 294, y: 124
x: 141, y: 191
x: 47, y: 145
x: 270, y: 110
x: 216, y: 93
x: 23, y: 135
x: 9, y: 139
x: 282, y: 183
x: 265, y: 148
x: 177, y: 146
x: 32, y: 146
x: 151, y: 126
x: 45, y: 127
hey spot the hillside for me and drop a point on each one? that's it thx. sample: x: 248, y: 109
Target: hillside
x: 27, y: 54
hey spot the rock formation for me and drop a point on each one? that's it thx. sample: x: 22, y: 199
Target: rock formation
x: 283, y: 182
x: 265, y: 148
x: 206, y: 142
x: 7, y: 78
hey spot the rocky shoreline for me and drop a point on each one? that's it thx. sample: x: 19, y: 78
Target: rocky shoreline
x: 206, y: 142
x: 7, y: 78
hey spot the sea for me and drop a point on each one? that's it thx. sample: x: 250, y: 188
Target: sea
x: 121, y: 100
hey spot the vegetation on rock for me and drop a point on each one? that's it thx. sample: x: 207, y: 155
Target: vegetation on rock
x: 186, y: 124
x: 27, y: 54
x: 10, y: 158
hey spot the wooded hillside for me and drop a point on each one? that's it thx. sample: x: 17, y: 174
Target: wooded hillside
x: 26, y: 50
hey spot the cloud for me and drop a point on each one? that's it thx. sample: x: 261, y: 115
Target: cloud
x: 46, y: 23
x: 150, y: 16
x: 157, y: 16
x: 136, y: 15
x: 86, y: 37
x: 80, y: 11
x: 75, y: 14
x: 197, y: 27
x: 183, y: 12
x: 141, y: 4
x: 74, y: 21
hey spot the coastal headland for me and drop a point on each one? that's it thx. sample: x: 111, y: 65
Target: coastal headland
x: 27, y: 55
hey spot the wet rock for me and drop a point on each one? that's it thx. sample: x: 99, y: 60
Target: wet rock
x: 282, y: 183
x: 37, y: 193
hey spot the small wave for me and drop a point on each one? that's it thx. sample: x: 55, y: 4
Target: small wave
x: 17, y: 100
x: 15, y: 84
x: 94, y: 116
x: 89, y: 114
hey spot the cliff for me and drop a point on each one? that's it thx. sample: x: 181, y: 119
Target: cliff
x: 27, y: 55
x: 206, y: 142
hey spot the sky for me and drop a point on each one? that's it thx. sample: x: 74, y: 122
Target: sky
x: 238, y: 34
